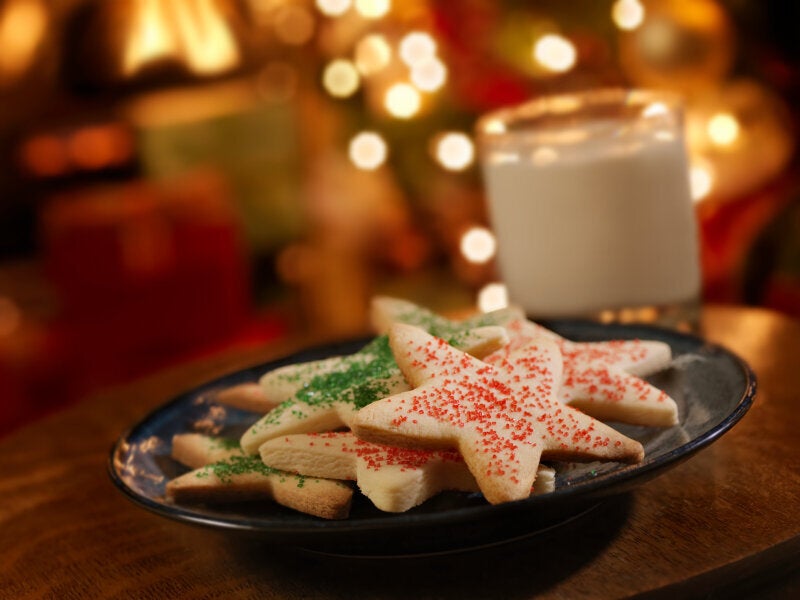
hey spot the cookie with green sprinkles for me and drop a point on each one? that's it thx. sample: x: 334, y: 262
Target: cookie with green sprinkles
x: 385, y: 311
x: 247, y: 478
x: 326, y: 395
x: 195, y: 449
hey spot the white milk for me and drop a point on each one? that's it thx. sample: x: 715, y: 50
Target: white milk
x: 601, y: 223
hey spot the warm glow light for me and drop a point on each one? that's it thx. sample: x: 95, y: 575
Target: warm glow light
x: 100, y: 146
x: 493, y: 296
x: 195, y: 33
x: 372, y: 54
x: 655, y: 109
x: 455, y: 151
x: 10, y: 316
x: 478, y: 245
x: 403, y: 101
x: 627, y: 14
x: 294, y: 25
x: 495, y: 126
x: 45, y: 155
x: 723, y: 129
x: 208, y: 43
x: 333, y: 8
x: 555, y: 53
x: 22, y: 27
x: 149, y: 39
x: 368, y: 150
x: 373, y: 9
x: 701, y: 179
x: 417, y: 47
x: 429, y: 75
x: 341, y: 78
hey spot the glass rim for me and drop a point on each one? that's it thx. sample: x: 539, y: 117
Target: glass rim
x: 562, y: 105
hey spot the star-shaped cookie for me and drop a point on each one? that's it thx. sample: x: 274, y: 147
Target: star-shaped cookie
x: 325, y: 395
x: 395, y: 479
x: 222, y: 473
x: 600, y: 378
x: 503, y: 418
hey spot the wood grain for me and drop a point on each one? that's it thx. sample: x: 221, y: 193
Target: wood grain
x: 725, y: 523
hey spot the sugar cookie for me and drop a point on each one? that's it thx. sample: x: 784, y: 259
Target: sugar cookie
x: 246, y: 396
x: 195, y: 450
x: 600, y: 378
x: 246, y: 478
x: 503, y: 418
x: 395, y: 479
x: 327, y: 396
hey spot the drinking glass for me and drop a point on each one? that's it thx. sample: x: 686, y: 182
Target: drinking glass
x: 588, y: 194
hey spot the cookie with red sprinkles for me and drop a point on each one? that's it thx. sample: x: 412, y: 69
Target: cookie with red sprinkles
x: 503, y: 418
x: 602, y: 378
x: 325, y: 395
x: 395, y: 479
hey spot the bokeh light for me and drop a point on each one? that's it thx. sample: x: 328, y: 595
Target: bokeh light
x: 402, y: 101
x: 492, y: 296
x: 723, y: 129
x: 417, y: 47
x: 627, y: 14
x: 333, y: 8
x: 341, y: 78
x: 373, y: 9
x: 372, y: 54
x: 555, y: 53
x: 478, y: 245
x: 368, y: 150
x: 429, y: 75
x: 455, y: 151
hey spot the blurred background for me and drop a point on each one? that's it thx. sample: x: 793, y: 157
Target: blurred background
x: 183, y: 177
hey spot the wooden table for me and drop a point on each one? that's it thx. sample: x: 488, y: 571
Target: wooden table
x: 727, y: 521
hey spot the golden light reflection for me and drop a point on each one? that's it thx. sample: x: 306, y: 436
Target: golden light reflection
x: 23, y: 24
x: 492, y: 296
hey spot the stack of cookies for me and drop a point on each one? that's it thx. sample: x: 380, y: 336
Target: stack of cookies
x: 489, y: 404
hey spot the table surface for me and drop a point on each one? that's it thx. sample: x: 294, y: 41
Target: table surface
x: 724, y: 523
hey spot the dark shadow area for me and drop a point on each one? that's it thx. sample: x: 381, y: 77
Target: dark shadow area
x: 517, y: 569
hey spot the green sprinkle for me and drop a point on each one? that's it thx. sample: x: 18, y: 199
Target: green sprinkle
x: 225, y: 470
x: 225, y: 443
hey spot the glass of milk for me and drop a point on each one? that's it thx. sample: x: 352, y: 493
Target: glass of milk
x: 588, y: 194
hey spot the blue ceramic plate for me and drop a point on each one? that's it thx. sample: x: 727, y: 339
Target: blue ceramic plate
x: 713, y: 389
